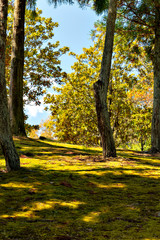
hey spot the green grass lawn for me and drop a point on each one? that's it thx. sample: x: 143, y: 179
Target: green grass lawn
x: 67, y: 192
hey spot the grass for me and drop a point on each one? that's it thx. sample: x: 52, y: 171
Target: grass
x: 66, y: 192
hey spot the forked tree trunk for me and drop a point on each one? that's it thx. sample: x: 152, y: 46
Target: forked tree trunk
x: 6, y: 141
x: 17, y: 66
x: 101, y: 86
x: 155, y: 136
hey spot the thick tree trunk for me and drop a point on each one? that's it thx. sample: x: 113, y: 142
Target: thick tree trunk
x: 156, y: 99
x: 101, y: 86
x: 6, y: 141
x: 17, y: 66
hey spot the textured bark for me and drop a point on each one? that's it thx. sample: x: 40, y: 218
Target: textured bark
x: 17, y: 67
x: 103, y: 118
x: 6, y: 141
x: 156, y: 99
x: 101, y: 86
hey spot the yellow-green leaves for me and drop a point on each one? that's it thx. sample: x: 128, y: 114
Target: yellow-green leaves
x: 129, y: 95
x: 42, y: 55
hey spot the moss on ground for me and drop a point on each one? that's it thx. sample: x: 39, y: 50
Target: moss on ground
x: 67, y: 192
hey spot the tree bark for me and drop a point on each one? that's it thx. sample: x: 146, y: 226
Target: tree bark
x: 155, y: 135
x: 6, y: 141
x: 101, y: 86
x: 17, y: 67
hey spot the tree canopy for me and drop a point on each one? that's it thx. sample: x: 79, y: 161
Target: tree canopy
x: 129, y: 97
x: 41, y: 57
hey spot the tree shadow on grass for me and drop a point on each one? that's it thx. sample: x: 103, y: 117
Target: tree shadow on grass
x: 98, y: 203
x: 141, y: 158
x: 33, y: 147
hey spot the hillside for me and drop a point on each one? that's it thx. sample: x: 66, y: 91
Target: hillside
x: 67, y: 192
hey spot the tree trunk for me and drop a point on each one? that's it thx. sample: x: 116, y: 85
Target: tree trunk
x: 17, y: 66
x: 6, y: 141
x: 142, y: 144
x: 101, y: 86
x: 155, y: 136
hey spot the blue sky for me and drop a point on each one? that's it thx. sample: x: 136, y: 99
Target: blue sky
x: 74, y: 29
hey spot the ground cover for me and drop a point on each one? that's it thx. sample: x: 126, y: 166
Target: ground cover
x: 67, y: 192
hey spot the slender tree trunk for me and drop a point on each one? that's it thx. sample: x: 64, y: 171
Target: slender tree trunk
x: 101, y: 86
x: 6, y: 141
x: 155, y: 136
x: 17, y: 66
x: 142, y: 144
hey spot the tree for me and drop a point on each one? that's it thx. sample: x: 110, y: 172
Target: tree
x: 17, y: 67
x: 41, y: 56
x: 101, y: 86
x: 47, y: 128
x: 156, y: 64
x: 73, y: 106
x: 124, y: 111
x: 6, y: 141
x: 132, y: 56
x: 144, y: 17
x: 33, y: 133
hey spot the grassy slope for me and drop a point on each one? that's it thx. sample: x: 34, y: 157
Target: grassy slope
x: 66, y: 192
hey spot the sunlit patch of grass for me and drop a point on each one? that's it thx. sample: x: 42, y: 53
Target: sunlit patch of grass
x: 66, y: 191
x: 16, y: 185
x: 114, y: 185
x: 31, y: 210
x: 91, y: 217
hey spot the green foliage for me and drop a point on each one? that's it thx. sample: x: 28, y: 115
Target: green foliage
x: 101, y: 5
x: 56, y: 2
x: 31, y: 4
x: 140, y: 21
x: 73, y: 110
x: 30, y: 128
x: 135, y: 73
x: 129, y: 96
x: 47, y: 128
x: 98, y: 5
x: 42, y: 55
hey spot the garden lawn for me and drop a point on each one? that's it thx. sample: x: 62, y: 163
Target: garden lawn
x: 67, y: 192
